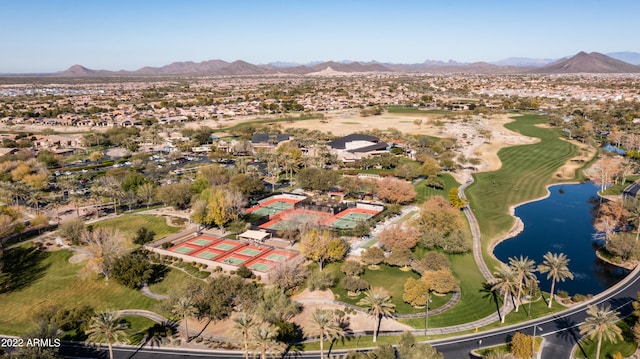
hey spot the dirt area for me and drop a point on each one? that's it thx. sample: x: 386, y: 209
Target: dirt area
x: 310, y: 301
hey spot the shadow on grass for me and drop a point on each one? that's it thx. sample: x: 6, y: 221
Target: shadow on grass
x: 22, y: 267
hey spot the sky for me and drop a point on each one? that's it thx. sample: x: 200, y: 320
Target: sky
x: 52, y: 35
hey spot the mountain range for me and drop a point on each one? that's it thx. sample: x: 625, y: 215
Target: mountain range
x: 620, y: 62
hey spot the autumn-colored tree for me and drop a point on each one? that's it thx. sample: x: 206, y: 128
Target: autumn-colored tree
x: 401, y: 257
x: 395, y: 190
x: 430, y: 167
x: 416, y: 292
x: 441, y: 281
x: 399, y: 235
x: 105, y: 245
x: 603, y: 171
x: 431, y: 261
x: 521, y: 345
x: 321, y: 247
x: 440, y: 224
x: 223, y: 205
x: 351, y: 268
x: 372, y: 256
x: 454, y: 198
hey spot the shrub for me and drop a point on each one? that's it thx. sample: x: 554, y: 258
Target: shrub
x: 244, y: 272
x: 144, y: 236
x: 562, y: 294
x: 166, y: 245
x: 320, y: 281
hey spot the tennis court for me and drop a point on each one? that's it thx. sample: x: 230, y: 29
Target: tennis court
x: 183, y: 249
x: 349, y: 218
x: 233, y: 260
x: 203, y: 242
x: 225, y: 246
x: 207, y: 254
x: 276, y: 257
x: 251, y: 252
x: 260, y: 267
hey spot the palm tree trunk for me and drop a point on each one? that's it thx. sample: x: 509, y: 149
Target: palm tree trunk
x: 186, y: 328
x: 110, y: 350
x: 246, y: 347
x: 504, y: 307
x: 375, y: 333
x: 599, y: 345
x: 321, y: 345
x: 638, y: 230
x: 519, y: 296
x: 553, y: 285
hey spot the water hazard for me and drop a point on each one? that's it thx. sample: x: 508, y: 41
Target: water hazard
x: 563, y: 223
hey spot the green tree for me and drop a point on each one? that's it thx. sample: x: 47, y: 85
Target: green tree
x: 185, y: 308
x: 72, y: 230
x: 264, y: 340
x: 377, y: 302
x: 242, y: 324
x: 504, y: 281
x: 177, y: 195
x: 556, y: 266
x: 409, y: 349
x: 131, y: 270
x: 143, y: 236
x: 324, y: 325
x: 601, y: 324
x: 107, y: 327
x: 524, y: 269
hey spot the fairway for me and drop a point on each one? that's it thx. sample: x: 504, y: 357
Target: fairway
x: 525, y: 173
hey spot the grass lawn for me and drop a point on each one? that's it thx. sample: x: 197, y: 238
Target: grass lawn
x: 128, y: 225
x: 43, y: 279
x: 587, y: 347
x: 424, y: 192
x: 390, y: 278
x: 173, y: 279
x: 617, y: 188
x: 525, y: 173
x: 285, y: 118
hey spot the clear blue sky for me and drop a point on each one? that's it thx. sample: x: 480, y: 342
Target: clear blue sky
x: 52, y: 35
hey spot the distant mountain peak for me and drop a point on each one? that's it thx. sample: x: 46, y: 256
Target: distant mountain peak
x: 593, y: 62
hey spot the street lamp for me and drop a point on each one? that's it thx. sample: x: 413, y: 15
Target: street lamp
x: 533, y: 341
x: 426, y: 316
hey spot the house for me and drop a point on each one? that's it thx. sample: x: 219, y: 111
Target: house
x: 355, y: 146
x: 269, y: 141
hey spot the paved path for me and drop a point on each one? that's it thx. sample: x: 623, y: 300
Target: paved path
x: 148, y: 293
x: 475, y: 232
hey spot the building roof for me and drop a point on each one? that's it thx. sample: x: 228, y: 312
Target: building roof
x: 340, y: 143
x: 255, y: 235
x: 268, y: 137
x: 380, y: 146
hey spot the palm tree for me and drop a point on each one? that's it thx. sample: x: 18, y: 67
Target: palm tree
x: 504, y: 281
x: 556, y: 265
x: 377, y: 302
x: 524, y: 268
x: 242, y: 324
x: 324, y: 324
x: 263, y: 337
x: 185, y: 308
x: 601, y: 323
x: 107, y: 327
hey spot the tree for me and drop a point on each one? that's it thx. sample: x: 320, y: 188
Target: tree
x: 524, y: 268
x: 377, y: 302
x: 354, y: 284
x: 324, y: 325
x: 132, y: 270
x: 264, y: 340
x: 289, y: 275
x: 105, y: 245
x: 556, y: 266
x: 248, y: 185
x: 395, y: 190
x: 223, y: 205
x: 146, y: 192
x: 72, y: 230
x: 409, y: 349
x: 177, y: 195
x: 372, y: 256
x: 107, y: 327
x: 634, y: 216
x: 185, y: 308
x: 601, y: 324
x: 351, y: 268
x: 399, y: 235
x: 321, y: 247
x: 504, y: 281
x: 440, y: 224
x: 622, y: 245
x: 441, y: 281
x: 430, y: 167
x: 144, y: 236
x: 603, y: 171
x: 44, y: 331
x: 521, y: 345
x: 431, y: 261
x: 401, y: 257
x: 242, y: 324
x: 454, y: 198
x: 416, y: 292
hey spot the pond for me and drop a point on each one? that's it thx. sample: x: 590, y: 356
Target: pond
x: 563, y: 223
